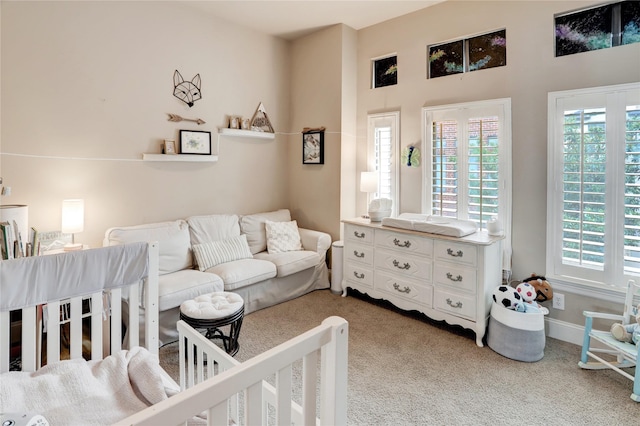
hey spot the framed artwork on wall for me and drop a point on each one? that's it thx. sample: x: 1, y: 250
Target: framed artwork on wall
x: 313, y: 147
x: 195, y: 142
x: 385, y: 71
x: 488, y: 50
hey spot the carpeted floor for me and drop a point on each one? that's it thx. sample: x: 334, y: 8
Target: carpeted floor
x: 408, y: 370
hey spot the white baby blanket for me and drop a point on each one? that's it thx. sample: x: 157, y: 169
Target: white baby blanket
x: 79, y: 392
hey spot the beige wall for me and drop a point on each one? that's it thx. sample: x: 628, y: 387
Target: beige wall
x: 323, y: 95
x: 531, y: 72
x: 86, y: 88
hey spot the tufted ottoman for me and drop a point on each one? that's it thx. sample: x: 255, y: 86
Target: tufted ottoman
x: 212, y: 311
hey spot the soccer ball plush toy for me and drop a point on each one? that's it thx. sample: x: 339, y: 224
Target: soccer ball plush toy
x: 628, y: 333
x: 508, y: 297
x: 528, y: 293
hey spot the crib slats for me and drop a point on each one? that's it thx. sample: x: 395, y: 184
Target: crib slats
x: 75, y: 341
x: 97, y: 326
x: 309, y: 392
x: 5, y: 340
x: 29, y: 338
x: 134, y: 314
x: 253, y: 412
x: 115, y: 323
x: 283, y: 396
x: 53, y: 332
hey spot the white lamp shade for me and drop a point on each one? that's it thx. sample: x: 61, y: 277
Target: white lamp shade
x: 72, y: 216
x: 369, y: 182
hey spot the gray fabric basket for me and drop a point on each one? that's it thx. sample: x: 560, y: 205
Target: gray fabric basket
x: 515, y: 335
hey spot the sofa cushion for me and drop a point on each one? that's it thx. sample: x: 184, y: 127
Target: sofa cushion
x: 215, y: 227
x: 172, y: 237
x: 282, y: 236
x: 173, y: 289
x: 216, y: 252
x: 253, y: 226
x: 240, y: 273
x: 291, y: 262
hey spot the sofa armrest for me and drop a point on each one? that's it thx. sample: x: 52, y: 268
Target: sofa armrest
x: 315, y: 241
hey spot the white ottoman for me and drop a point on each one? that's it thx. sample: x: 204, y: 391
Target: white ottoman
x: 215, y: 310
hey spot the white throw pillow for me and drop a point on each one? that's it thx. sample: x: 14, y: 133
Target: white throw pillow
x: 216, y: 252
x: 282, y: 236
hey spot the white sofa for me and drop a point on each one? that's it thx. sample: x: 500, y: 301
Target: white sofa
x: 262, y: 276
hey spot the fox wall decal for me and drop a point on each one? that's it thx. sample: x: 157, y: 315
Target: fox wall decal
x: 187, y: 91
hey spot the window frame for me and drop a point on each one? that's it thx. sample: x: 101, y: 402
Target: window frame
x: 372, y: 119
x: 615, y: 99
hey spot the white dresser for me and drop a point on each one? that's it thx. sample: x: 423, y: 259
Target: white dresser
x: 446, y: 278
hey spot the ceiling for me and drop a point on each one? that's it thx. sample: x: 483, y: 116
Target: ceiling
x: 291, y: 19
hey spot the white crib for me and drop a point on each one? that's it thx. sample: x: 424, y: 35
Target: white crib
x: 84, y: 290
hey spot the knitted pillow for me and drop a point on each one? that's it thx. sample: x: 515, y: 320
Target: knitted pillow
x: 282, y: 236
x: 216, y: 252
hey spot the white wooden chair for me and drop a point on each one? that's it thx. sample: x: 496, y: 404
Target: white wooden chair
x: 622, y: 355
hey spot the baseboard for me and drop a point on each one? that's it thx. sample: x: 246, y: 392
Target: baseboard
x: 565, y: 331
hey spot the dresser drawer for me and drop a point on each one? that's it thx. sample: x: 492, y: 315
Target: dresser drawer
x: 359, y: 253
x: 358, y: 274
x: 405, y: 243
x: 465, y: 254
x: 405, y: 289
x: 455, y: 276
x: 359, y: 234
x: 404, y: 265
x: 461, y: 305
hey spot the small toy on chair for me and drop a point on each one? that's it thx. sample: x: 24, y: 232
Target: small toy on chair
x: 629, y: 333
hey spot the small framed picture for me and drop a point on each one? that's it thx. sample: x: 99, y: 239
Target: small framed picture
x: 169, y: 147
x: 195, y: 142
x: 313, y: 147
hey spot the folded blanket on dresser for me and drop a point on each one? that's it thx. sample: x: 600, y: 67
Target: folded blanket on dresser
x: 432, y: 224
x: 79, y: 392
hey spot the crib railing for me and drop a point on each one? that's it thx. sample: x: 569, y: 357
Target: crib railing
x: 216, y: 384
x: 77, y: 323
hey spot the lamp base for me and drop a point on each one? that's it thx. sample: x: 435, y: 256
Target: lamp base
x: 72, y: 247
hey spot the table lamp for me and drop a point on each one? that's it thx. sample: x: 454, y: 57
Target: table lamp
x: 72, y: 221
x: 369, y: 184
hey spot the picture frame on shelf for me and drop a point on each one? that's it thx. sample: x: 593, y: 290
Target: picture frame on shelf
x: 169, y: 147
x: 195, y: 142
x: 313, y: 147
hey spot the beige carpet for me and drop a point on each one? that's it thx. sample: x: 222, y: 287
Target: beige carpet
x: 406, y: 370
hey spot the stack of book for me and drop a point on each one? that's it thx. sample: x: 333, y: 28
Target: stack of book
x: 12, y: 245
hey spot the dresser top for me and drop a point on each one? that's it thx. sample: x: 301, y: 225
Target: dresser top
x: 480, y: 237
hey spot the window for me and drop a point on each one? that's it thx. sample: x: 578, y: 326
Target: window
x: 593, y: 217
x: 599, y: 27
x: 469, y: 54
x: 468, y: 172
x: 384, y: 136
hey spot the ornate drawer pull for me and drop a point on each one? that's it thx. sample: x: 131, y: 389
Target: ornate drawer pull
x: 358, y: 235
x: 456, y: 305
x: 456, y: 254
x: 358, y: 276
x: 356, y: 254
x: 397, y: 265
x: 406, y: 244
x: 450, y: 276
x: 405, y: 290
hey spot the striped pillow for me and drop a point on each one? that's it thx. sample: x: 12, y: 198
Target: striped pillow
x: 217, y: 252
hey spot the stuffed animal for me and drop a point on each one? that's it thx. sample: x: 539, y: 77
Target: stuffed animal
x: 541, y: 285
x: 628, y: 333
